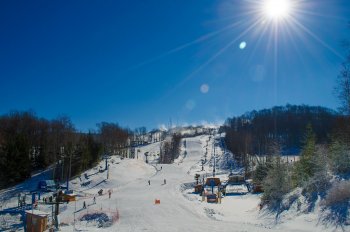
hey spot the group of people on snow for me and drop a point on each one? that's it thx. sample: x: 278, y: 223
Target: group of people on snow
x: 100, y: 194
x: 149, y: 181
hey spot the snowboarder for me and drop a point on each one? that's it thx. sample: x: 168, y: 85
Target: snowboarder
x: 94, y: 200
x: 84, y: 205
x: 149, y: 182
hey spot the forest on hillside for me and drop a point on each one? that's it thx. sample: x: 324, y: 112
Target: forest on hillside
x: 29, y: 143
x: 254, y: 132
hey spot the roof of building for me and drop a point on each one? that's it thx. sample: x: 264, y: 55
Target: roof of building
x: 37, y: 213
x: 212, y: 180
x: 48, y: 182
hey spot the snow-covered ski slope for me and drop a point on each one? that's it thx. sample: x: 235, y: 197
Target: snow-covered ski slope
x: 136, y: 185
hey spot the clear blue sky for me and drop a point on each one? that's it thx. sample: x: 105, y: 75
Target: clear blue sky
x: 142, y: 63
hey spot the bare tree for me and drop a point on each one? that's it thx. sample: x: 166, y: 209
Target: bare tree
x: 342, y: 90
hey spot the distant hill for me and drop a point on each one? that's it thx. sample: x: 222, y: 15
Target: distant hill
x: 255, y: 131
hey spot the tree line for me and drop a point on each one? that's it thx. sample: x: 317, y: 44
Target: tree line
x: 254, y: 132
x: 29, y: 143
x: 170, y: 149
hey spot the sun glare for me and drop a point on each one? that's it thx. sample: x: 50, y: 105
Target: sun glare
x: 277, y: 9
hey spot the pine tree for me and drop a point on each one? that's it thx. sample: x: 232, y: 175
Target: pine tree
x: 260, y: 173
x: 320, y: 181
x: 303, y: 169
x: 340, y: 157
x: 276, y: 184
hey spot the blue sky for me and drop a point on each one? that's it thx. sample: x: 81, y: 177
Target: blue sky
x: 144, y: 63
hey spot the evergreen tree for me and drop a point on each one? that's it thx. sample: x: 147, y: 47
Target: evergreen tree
x: 260, y: 173
x: 17, y: 165
x: 319, y: 182
x: 303, y: 169
x: 276, y: 184
x: 340, y: 157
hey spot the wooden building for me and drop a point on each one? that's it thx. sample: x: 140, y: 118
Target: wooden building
x: 36, y: 221
x: 68, y: 197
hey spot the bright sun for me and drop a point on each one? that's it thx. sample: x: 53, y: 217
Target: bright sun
x: 277, y: 9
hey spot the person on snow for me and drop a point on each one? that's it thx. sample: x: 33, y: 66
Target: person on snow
x: 94, y: 200
x: 164, y: 181
x: 84, y: 205
x: 260, y: 205
x: 149, y: 182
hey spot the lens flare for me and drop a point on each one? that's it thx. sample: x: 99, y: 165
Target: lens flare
x: 204, y: 88
x: 242, y: 45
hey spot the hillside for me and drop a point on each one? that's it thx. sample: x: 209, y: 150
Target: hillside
x: 132, y: 207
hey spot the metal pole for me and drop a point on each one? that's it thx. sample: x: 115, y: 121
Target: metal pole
x: 62, y: 165
x: 31, y: 218
x: 52, y: 219
x: 75, y: 209
x: 70, y: 170
x: 62, y: 159
x: 106, y: 162
x: 57, y: 209
x: 214, y: 160
x: 108, y: 171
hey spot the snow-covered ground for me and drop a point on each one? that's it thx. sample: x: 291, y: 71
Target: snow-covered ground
x: 132, y: 207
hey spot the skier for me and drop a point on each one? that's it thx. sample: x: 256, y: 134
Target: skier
x: 260, y: 206
x: 84, y: 205
x: 149, y: 182
x: 164, y: 181
x: 94, y: 200
x: 161, y: 167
